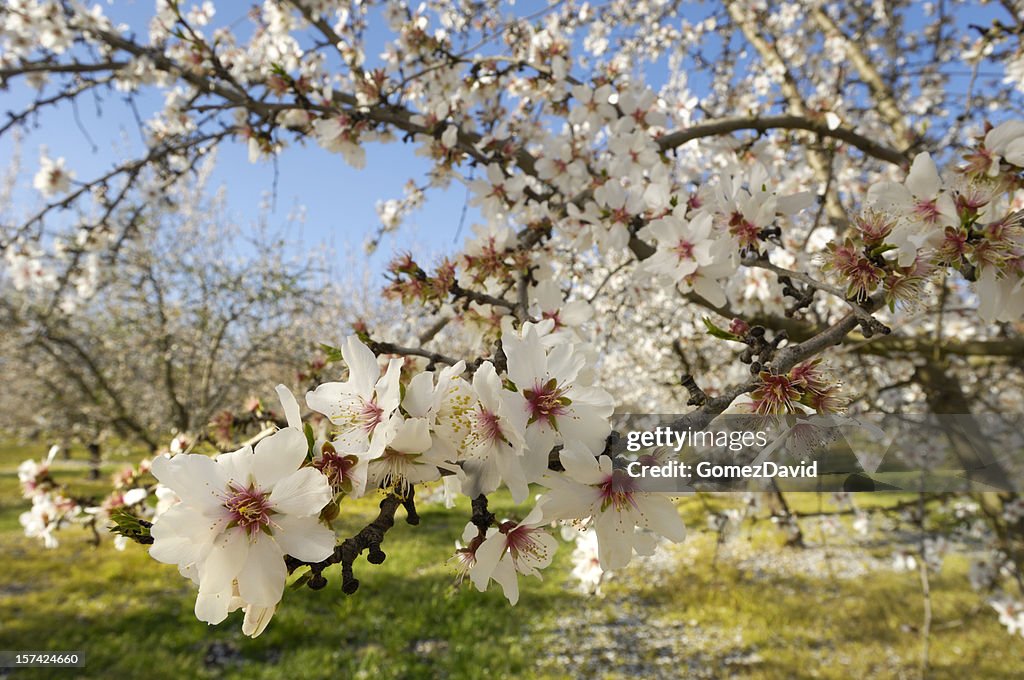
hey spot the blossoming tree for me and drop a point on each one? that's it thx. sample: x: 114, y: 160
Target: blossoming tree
x: 167, y: 322
x: 758, y: 196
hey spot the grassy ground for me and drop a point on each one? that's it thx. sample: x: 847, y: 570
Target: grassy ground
x: 747, y: 608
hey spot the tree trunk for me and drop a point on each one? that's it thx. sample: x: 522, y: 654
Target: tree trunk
x: 94, y: 460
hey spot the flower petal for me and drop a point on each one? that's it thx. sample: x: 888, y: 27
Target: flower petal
x: 278, y: 456
x: 923, y: 179
x: 256, y: 619
x: 658, y: 514
x: 363, y: 370
x: 487, y: 557
x: 290, y: 407
x: 304, y: 538
x: 212, y: 606
x: 225, y: 560
x: 261, y: 581
x: 303, y: 493
x: 505, y: 575
x: 614, y: 539
x: 197, y: 479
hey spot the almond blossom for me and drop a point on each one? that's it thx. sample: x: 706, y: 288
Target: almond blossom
x: 363, y: 406
x: 239, y: 515
x: 409, y: 458
x: 586, y: 564
x: 1011, y: 614
x: 32, y: 475
x: 1005, y: 141
x: 492, y: 450
x: 558, y: 408
x: 53, y: 177
x: 923, y: 207
x: 607, y: 499
x: 513, y: 548
x: 43, y: 519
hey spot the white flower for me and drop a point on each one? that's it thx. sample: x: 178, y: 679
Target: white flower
x: 492, y: 450
x: 923, y: 208
x: 683, y: 247
x: 594, y: 108
x: 450, y: 137
x: 559, y: 166
x: 32, y: 473
x: 586, y: 565
x: 447, y: 406
x: 1011, y: 615
x: 591, y: 488
x: 511, y: 549
x: 620, y: 206
x: 558, y: 409
x: 1000, y: 297
x: 42, y: 520
x: 748, y: 205
x: 134, y: 496
x: 1006, y: 140
x: 465, y: 552
x: 165, y: 500
x: 364, y: 405
x: 408, y: 459
x: 551, y: 304
x: 239, y: 515
x: 340, y: 135
x: 497, y: 194
x: 53, y: 178
x: 178, y: 444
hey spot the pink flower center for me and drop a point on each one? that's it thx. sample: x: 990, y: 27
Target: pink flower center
x: 554, y: 317
x: 547, y: 401
x: 775, y: 395
x: 521, y: 543
x: 684, y: 250
x: 249, y: 509
x: 370, y: 416
x: 927, y: 210
x: 617, y: 491
x: 488, y: 425
x: 335, y: 467
x: 743, y: 229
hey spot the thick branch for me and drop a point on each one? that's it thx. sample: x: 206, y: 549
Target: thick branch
x: 724, y: 126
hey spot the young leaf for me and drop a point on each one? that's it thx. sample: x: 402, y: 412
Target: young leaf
x: 333, y: 353
x: 719, y: 332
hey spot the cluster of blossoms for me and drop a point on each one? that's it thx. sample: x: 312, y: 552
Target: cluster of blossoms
x: 50, y: 508
x: 807, y: 388
x: 577, y: 165
x: 912, y: 230
x: 231, y: 522
x: 53, y: 507
x: 486, y: 432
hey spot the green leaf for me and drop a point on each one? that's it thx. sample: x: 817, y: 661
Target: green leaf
x: 333, y: 353
x: 884, y: 248
x: 130, y: 526
x: 719, y: 332
x: 307, y: 429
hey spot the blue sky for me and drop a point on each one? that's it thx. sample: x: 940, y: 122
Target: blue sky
x: 338, y: 199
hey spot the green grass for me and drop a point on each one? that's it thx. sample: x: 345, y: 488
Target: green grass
x: 700, y: 614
